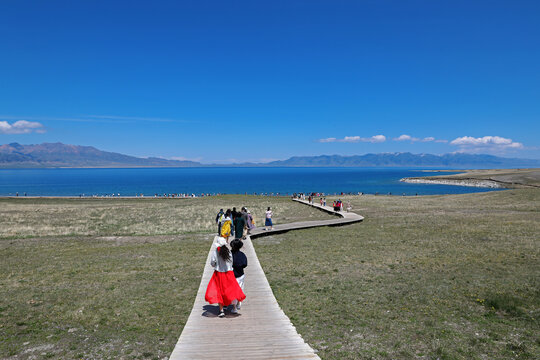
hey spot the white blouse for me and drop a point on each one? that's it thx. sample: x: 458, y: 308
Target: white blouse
x: 219, y: 264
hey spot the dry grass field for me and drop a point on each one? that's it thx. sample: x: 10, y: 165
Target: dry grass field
x: 21, y: 217
x: 75, y: 283
x: 434, y: 277
x: 95, y: 297
x: 447, y: 277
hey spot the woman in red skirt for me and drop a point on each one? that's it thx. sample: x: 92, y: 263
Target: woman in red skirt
x: 223, y: 287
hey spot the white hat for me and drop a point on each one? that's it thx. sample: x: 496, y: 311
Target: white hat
x: 221, y: 241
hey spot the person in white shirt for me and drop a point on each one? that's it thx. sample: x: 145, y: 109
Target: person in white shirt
x: 268, y: 221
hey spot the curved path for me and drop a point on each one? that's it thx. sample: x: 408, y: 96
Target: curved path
x: 261, y: 330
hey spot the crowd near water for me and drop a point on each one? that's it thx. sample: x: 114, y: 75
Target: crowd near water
x: 198, y: 182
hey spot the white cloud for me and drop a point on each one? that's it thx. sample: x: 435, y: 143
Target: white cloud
x: 405, y: 137
x: 377, y: 139
x: 181, y: 158
x: 21, y: 127
x: 97, y: 119
x: 352, y: 139
x: 327, y: 140
x: 355, y: 139
x: 494, y: 144
x: 410, y: 138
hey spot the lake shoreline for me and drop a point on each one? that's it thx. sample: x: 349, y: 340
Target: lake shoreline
x: 494, y: 179
x: 465, y: 182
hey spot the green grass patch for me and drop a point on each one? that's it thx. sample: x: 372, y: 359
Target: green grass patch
x: 108, y: 278
x: 511, y: 305
x: 448, y: 277
x: 93, y: 298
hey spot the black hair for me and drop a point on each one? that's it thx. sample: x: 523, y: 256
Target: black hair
x: 228, y: 213
x: 268, y: 208
x: 224, y: 253
x: 236, y: 245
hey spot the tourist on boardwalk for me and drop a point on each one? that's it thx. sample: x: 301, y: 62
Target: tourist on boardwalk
x: 245, y: 217
x: 244, y: 213
x: 268, y: 221
x: 223, y: 288
x: 234, y: 214
x: 219, y: 217
x: 226, y: 225
x: 239, y: 224
x: 239, y: 263
x: 250, y: 222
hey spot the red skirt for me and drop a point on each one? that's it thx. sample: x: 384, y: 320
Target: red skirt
x: 223, y: 289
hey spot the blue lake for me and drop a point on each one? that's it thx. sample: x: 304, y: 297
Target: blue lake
x: 150, y: 181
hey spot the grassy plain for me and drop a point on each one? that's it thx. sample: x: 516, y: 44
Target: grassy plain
x: 449, y: 277
x: 32, y: 217
x: 97, y: 298
x: 434, y: 277
x: 76, y: 283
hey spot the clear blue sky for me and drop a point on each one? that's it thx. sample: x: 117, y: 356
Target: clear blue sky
x: 249, y: 80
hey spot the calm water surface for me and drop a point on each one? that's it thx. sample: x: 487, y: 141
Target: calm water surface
x: 150, y: 181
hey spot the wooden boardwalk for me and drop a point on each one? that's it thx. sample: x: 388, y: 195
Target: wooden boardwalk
x: 261, y: 330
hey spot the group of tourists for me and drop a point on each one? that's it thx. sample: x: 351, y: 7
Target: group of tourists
x: 337, y: 205
x: 226, y: 287
x: 233, y: 223
x: 302, y: 196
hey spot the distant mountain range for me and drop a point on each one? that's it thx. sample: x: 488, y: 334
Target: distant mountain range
x: 454, y: 160
x: 15, y: 155
x: 46, y: 155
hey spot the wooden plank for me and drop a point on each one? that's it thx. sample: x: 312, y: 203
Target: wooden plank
x: 261, y: 330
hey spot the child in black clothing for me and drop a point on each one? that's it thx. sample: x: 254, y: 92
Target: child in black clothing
x: 239, y: 263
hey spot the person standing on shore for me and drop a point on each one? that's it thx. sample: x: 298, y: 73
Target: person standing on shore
x: 268, y: 221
